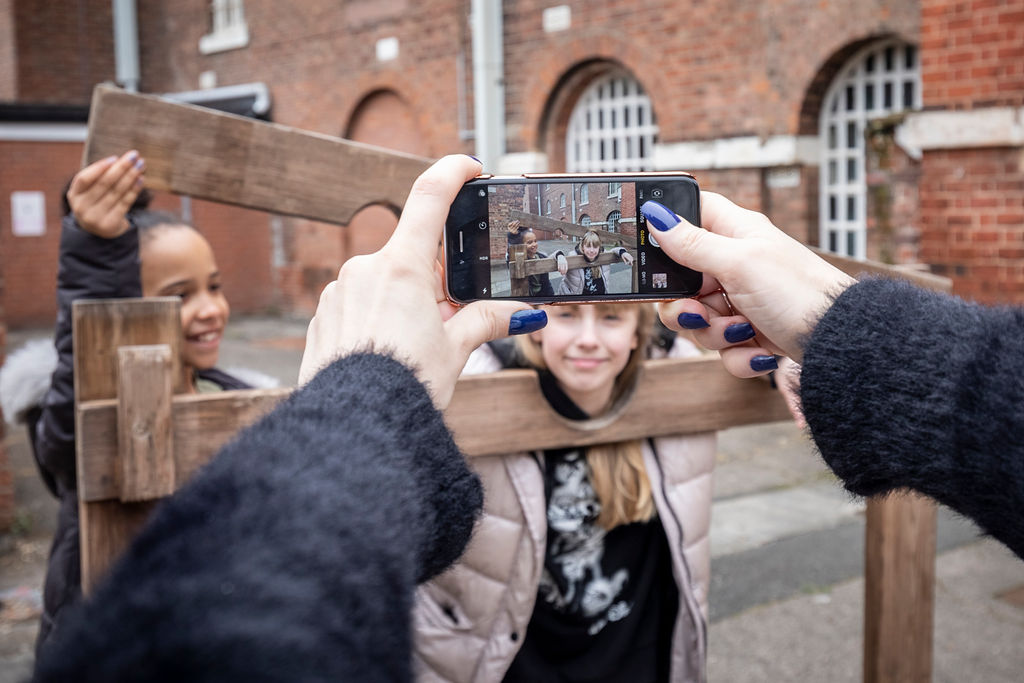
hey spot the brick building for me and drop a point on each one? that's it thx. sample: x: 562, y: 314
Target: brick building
x: 881, y: 129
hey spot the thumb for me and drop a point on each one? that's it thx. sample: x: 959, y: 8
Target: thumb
x: 685, y: 243
x: 484, y: 321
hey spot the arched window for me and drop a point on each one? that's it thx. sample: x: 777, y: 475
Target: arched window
x: 561, y: 200
x: 882, y: 79
x: 585, y: 193
x: 585, y: 221
x: 611, y: 128
x: 613, y: 220
x: 547, y: 207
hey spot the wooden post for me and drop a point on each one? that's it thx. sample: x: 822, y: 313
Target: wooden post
x: 899, y: 589
x: 144, y: 436
x: 517, y: 270
x: 225, y: 158
x: 100, y: 327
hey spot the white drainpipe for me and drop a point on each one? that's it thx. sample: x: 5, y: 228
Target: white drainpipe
x: 488, y: 81
x: 126, y: 44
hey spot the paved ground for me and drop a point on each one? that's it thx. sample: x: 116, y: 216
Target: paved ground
x: 787, y: 588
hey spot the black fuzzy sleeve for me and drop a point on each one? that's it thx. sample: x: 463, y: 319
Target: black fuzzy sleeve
x: 905, y: 388
x: 294, y: 554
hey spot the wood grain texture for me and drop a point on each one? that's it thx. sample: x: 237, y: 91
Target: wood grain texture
x: 145, y: 441
x: 899, y: 589
x: 532, y: 220
x: 236, y: 160
x: 201, y: 424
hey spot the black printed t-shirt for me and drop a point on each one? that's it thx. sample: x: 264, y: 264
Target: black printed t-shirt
x: 607, y: 602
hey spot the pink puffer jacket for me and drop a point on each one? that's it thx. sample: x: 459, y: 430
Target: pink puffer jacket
x: 470, y: 622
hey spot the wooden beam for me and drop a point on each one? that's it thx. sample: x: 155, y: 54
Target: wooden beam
x: 506, y: 411
x: 144, y: 438
x: 236, y: 160
x: 532, y: 220
x: 99, y: 328
x: 856, y: 268
x: 899, y: 589
x: 201, y: 424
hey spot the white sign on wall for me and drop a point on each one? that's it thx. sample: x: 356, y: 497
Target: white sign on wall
x: 28, y: 214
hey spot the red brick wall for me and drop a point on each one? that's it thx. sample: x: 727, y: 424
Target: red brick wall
x: 972, y: 221
x: 64, y: 47
x: 29, y: 264
x: 972, y: 200
x: 972, y: 53
x: 6, y: 476
x: 712, y: 69
x: 240, y: 238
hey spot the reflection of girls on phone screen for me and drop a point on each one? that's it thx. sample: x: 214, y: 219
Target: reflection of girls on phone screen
x: 572, y: 570
x: 540, y: 283
x: 590, y: 279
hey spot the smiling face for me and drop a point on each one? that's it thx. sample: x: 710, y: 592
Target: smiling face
x: 590, y: 245
x: 586, y: 347
x: 530, y: 240
x: 178, y: 261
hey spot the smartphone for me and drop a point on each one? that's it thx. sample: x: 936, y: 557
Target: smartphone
x: 557, y: 238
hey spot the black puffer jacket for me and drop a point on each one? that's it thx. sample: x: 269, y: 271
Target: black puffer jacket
x: 908, y: 389
x: 90, y: 267
x: 294, y: 554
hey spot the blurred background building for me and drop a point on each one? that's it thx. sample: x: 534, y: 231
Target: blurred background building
x: 882, y: 129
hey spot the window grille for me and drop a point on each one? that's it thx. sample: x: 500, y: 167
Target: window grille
x: 613, y: 220
x: 882, y: 79
x: 585, y: 221
x: 611, y: 128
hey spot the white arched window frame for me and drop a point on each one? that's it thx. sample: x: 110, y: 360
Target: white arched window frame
x: 613, y: 221
x: 585, y: 221
x: 881, y: 79
x: 611, y: 128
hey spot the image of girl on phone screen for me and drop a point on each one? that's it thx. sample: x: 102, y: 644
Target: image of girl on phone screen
x: 112, y: 246
x: 593, y: 279
x: 591, y: 562
x: 540, y: 283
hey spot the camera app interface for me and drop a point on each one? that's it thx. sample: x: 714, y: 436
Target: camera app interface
x: 575, y: 239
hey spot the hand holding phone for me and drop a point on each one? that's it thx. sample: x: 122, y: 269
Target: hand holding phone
x: 550, y: 238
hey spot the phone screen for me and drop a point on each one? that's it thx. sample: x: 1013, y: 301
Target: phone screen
x: 566, y: 239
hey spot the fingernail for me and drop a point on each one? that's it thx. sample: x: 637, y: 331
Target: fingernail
x: 525, y: 322
x: 139, y: 163
x: 762, y: 363
x: 692, y: 321
x: 133, y: 155
x: 475, y: 159
x: 110, y: 160
x: 738, y: 332
x: 661, y: 217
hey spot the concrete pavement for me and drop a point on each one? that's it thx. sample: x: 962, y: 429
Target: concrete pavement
x: 787, y: 589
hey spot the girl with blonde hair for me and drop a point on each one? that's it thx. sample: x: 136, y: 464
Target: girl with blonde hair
x: 589, y: 563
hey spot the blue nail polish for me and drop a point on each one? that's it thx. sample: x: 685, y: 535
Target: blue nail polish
x: 762, y: 363
x: 661, y: 217
x: 525, y: 322
x: 475, y: 159
x: 738, y: 333
x: 692, y: 321
x: 139, y: 163
x: 133, y: 155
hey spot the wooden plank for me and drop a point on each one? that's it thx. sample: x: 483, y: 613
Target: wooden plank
x: 899, y: 589
x: 532, y: 220
x: 201, y: 424
x: 235, y: 160
x: 855, y: 268
x: 101, y: 326
x: 145, y: 442
x: 506, y: 411
x: 112, y: 526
